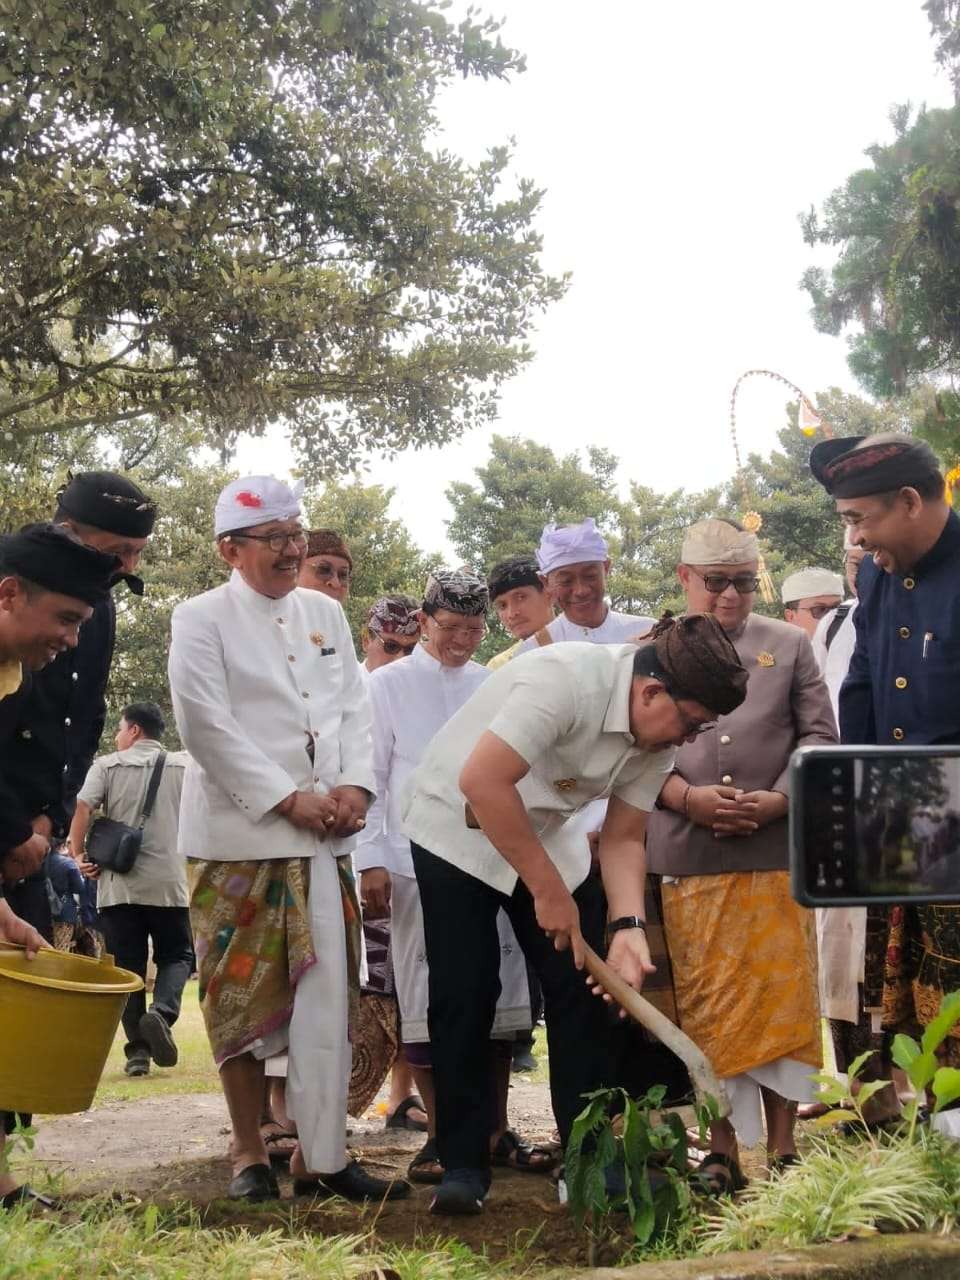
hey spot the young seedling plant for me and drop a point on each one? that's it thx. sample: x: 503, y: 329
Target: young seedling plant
x: 636, y: 1165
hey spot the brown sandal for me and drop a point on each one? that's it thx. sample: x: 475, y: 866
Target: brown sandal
x: 425, y: 1165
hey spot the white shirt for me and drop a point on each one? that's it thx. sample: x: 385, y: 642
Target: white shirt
x: 616, y: 628
x: 833, y: 662
x: 566, y: 710
x: 411, y: 700
x: 118, y: 784
x: 257, y: 682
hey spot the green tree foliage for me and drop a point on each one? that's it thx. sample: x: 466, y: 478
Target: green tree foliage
x: 230, y: 214
x: 385, y: 557
x: 521, y: 488
x: 896, y: 281
x: 646, y: 549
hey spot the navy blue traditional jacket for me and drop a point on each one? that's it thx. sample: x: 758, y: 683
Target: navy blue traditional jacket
x: 903, y: 685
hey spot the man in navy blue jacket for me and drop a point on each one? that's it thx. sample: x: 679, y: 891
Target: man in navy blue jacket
x: 903, y: 684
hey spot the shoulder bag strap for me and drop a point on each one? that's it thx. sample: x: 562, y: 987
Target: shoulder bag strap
x: 153, y: 788
x: 835, y: 625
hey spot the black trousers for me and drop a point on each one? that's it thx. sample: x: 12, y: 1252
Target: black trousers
x: 463, y: 952
x: 127, y: 929
x: 28, y: 900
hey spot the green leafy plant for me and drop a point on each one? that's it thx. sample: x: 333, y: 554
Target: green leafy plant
x: 22, y: 1137
x: 919, y: 1061
x: 628, y: 1156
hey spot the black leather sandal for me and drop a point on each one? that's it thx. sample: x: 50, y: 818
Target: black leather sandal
x: 27, y: 1195
x: 726, y: 1178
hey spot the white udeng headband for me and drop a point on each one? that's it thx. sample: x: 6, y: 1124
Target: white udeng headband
x: 716, y: 542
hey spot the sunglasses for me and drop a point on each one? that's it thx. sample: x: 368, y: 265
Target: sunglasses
x: 717, y: 583
x: 393, y: 647
x: 817, y: 611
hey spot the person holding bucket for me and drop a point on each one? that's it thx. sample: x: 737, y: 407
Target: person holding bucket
x: 49, y: 583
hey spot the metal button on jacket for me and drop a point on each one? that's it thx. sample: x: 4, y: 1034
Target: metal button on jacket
x: 726, y: 779
x: 724, y: 739
x: 901, y: 682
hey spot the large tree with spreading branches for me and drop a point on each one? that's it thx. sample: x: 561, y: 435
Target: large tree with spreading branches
x: 234, y: 212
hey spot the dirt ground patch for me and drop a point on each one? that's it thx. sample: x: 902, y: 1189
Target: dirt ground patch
x: 172, y: 1148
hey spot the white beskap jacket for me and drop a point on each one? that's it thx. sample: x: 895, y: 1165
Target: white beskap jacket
x: 254, y: 682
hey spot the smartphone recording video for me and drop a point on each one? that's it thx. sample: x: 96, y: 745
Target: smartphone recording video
x: 875, y: 824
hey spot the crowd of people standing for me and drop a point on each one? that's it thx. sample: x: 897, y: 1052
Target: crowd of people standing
x: 388, y: 863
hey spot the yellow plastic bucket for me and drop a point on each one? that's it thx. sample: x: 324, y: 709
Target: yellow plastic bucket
x: 58, y: 1016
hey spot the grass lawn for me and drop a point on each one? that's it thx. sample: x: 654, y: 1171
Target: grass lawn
x: 194, y: 1073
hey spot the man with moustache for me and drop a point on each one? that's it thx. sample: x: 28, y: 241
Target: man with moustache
x: 487, y: 812
x: 50, y: 744
x: 270, y: 705
x: 903, y: 685
x: 411, y: 701
x: 50, y: 584
x: 743, y: 952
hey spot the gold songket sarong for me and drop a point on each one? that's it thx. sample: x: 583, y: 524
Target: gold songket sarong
x: 744, y: 969
x: 252, y: 938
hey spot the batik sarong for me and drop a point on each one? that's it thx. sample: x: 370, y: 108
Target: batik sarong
x: 744, y: 969
x: 252, y: 939
x: 922, y: 966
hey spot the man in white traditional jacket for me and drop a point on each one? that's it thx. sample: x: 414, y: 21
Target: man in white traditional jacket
x: 574, y: 564
x: 270, y: 704
x: 411, y: 701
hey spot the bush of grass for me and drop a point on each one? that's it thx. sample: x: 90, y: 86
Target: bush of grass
x: 841, y: 1191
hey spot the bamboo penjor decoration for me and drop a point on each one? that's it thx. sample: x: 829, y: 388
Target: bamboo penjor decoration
x: 810, y: 421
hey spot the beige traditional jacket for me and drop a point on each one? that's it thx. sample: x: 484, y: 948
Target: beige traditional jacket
x: 787, y: 706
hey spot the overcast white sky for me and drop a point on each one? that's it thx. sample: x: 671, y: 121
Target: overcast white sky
x: 677, y: 142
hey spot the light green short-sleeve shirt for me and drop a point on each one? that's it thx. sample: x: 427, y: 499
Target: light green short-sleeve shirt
x: 117, y: 784
x: 565, y: 709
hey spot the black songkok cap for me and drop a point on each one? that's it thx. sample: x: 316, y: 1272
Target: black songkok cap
x: 515, y: 571
x: 846, y: 471
x: 699, y: 661
x: 57, y: 561
x: 108, y: 501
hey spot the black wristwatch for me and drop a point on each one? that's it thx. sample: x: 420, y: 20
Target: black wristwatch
x: 625, y: 922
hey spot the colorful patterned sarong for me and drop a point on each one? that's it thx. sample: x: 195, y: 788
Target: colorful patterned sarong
x: 253, y: 942
x: 252, y: 939
x: 744, y: 969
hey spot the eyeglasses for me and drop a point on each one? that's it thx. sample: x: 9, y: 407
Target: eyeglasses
x: 692, y: 728
x: 275, y: 541
x: 817, y: 611
x: 716, y: 583
x: 461, y: 628
x: 326, y: 573
x: 393, y: 647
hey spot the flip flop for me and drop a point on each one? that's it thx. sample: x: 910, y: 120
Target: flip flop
x: 511, y: 1152
x: 27, y: 1195
x: 401, y: 1119
x: 280, y: 1143
x: 728, y: 1179
x: 419, y: 1168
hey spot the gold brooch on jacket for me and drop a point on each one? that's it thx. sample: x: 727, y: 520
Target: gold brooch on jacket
x: 316, y: 637
x: 565, y: 784
x: 766, y: 659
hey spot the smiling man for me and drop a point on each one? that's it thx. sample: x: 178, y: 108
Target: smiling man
x: 50, y: 584
x: 486, y: 812
x: 903, y: 683
x: 743, y: 952
x: 60, y: 719
x: 574, y: 565
x: 271, y: 706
